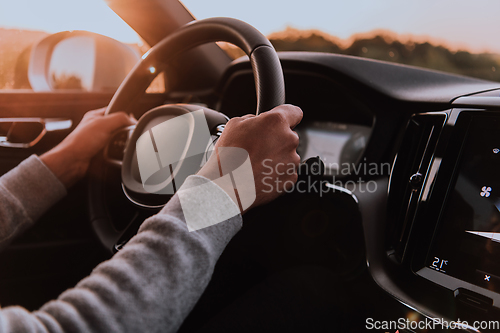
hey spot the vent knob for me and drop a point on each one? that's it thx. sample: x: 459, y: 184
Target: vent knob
x: 416, y: 180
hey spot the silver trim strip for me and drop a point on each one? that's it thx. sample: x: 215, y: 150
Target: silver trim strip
x: 49, y: 125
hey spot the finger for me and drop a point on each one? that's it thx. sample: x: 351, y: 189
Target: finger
x: 134, y: 119
x: 92, y: 114
x: 291, y: 113
x: 296, y: 139
x: 237, y: 120
x: 247, y: 116
x: 97, y: 112
x: 115, y: 121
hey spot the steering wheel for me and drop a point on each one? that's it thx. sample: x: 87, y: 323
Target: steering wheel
x: 270, y: 91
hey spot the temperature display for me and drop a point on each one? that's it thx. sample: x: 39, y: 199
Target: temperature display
x: 439, y: 264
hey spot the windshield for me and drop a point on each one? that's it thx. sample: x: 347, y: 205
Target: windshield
x: 455, y: 36
x: 448, y: 35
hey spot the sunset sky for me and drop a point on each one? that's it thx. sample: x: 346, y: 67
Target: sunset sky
x: 464, y: 24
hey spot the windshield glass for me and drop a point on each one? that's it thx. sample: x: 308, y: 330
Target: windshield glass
x: 449, y: 35
x: 25, y: 22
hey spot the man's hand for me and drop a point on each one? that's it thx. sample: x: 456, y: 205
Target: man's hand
x: 271, y: 144
x: 70, y: 159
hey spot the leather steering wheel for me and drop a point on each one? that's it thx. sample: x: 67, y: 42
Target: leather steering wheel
x: 269, y: 84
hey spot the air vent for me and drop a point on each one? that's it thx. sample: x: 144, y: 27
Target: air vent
x: 408, y: 177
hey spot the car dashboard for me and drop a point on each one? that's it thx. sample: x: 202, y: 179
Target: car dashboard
x: 406, y: 213
x: 422, y: 150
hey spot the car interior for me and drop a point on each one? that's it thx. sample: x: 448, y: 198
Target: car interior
x: 404, y: 215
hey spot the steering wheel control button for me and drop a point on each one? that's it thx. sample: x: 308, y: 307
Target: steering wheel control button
x: 220, y: 129
x: 117, y: 145
x: 416, y: 181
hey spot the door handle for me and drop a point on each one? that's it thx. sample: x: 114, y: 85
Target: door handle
x: 27, y: 132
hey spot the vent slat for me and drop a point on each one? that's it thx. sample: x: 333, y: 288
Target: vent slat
x: 413, y: 159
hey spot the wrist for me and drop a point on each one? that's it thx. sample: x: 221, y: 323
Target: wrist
x: 66, y: 167
x: 231, y: 170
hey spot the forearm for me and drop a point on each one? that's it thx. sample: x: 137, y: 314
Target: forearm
x: 26, y: 192
x: 65, y: 165
x: 149, y: 286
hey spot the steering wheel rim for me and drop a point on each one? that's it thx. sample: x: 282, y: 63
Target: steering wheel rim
x: 269, y: 84
x: 268, y: 75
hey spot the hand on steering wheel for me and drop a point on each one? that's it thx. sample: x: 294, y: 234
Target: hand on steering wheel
x: 271, y: 145
x: 70, y: 159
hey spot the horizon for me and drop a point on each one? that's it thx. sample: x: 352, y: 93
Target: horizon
x: 343, y: 43
x: 454, y: 24
x: 459, y: 24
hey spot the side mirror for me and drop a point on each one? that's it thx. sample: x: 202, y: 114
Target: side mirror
x: 80, y: 60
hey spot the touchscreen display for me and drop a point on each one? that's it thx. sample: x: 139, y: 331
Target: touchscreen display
x: 467, y: 243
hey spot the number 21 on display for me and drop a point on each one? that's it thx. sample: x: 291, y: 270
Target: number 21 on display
x: 439, y: 264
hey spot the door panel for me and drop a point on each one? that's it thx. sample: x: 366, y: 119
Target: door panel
x: 44, y: 105
x: 61, y: 248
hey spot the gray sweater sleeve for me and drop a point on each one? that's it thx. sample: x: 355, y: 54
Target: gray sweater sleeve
x: 151, y: 285
x: 26, y: 192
